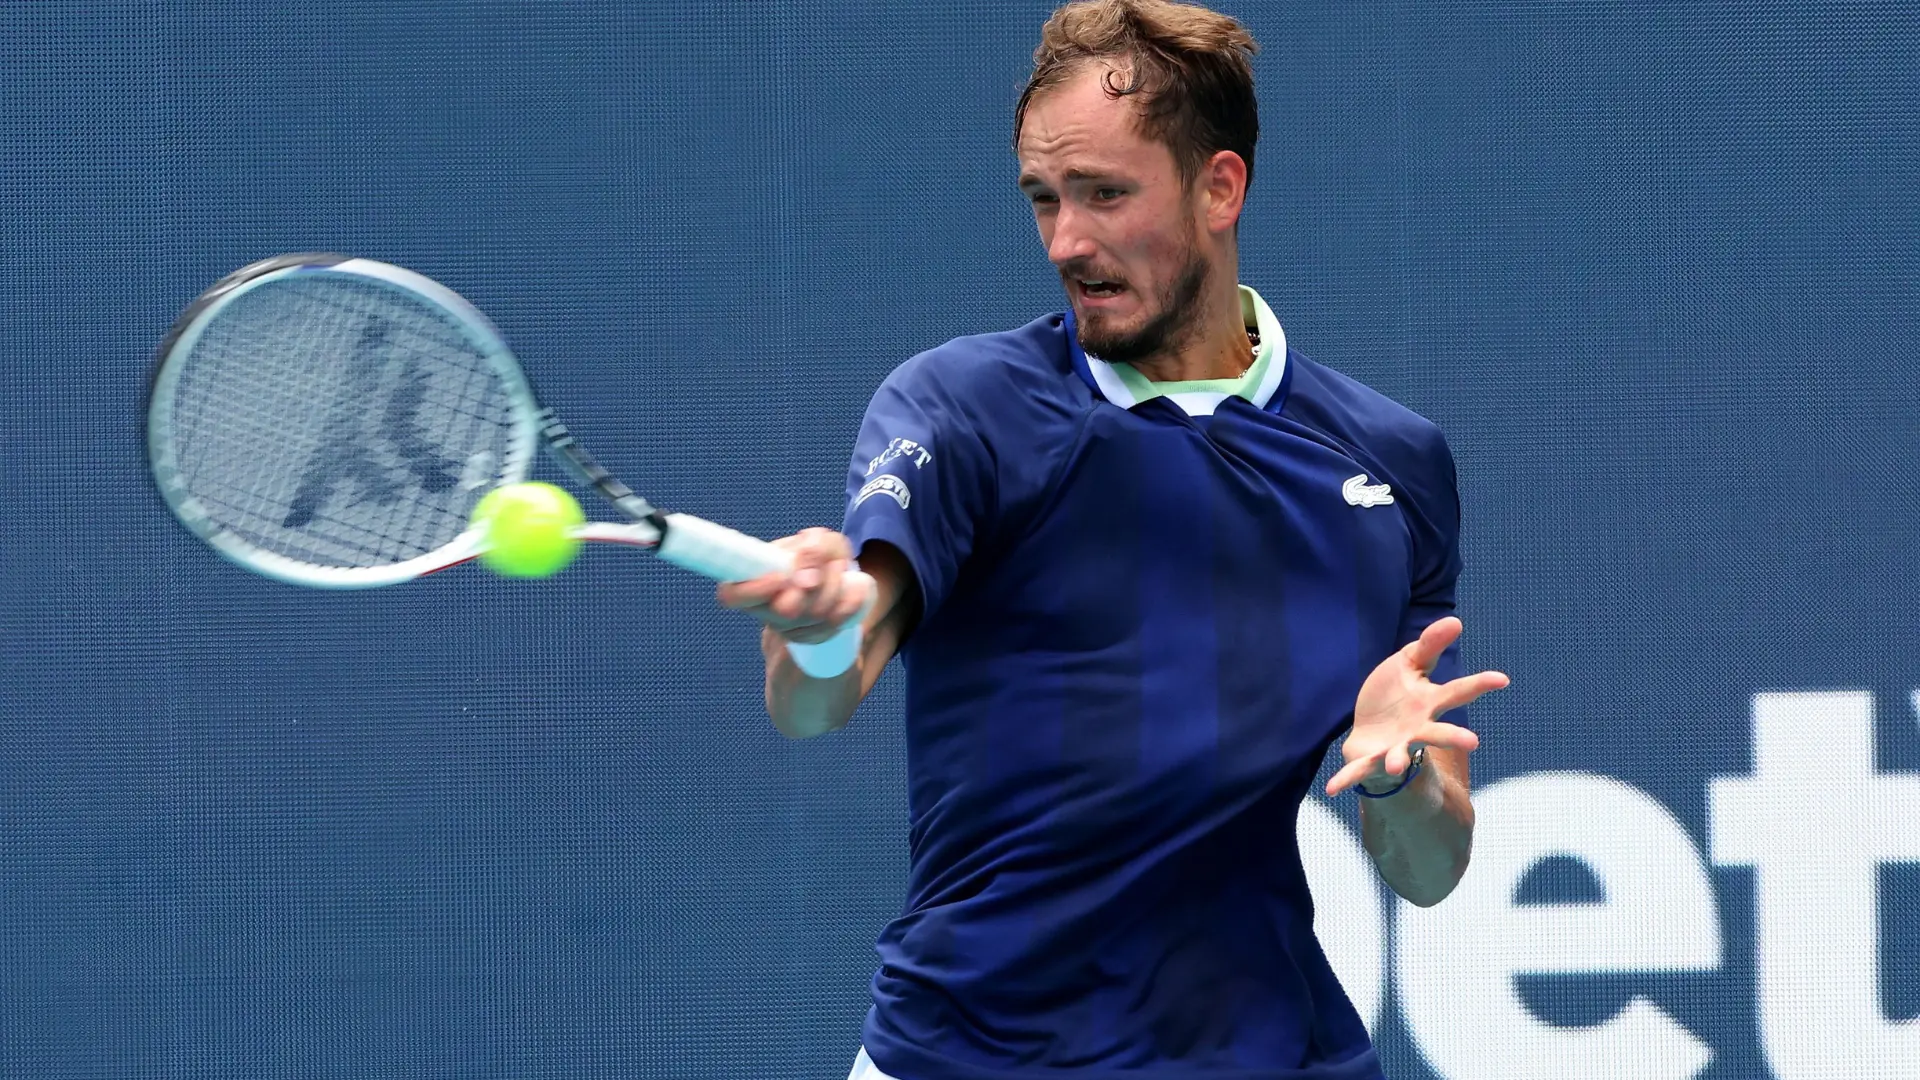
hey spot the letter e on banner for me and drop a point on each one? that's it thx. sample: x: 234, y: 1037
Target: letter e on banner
x: 1456, y: 961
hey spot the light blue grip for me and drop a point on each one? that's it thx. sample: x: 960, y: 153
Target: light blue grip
x: 724, y: 554
x: 834, y: 655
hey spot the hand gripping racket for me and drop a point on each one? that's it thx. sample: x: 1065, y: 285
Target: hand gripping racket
x: 331, y: 422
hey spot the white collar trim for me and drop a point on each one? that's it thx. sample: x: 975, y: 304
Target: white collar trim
x: 1203, y: 403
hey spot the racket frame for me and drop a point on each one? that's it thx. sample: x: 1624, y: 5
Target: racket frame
x: 516, y: 464
x: 695, y: 544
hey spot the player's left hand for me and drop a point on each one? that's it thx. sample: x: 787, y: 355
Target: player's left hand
x: 1397, y: 709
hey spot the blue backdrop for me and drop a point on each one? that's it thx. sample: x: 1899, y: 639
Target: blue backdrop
x: 1651, y: 266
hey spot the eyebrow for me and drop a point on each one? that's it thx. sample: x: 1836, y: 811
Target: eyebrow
x: 1073, y: 175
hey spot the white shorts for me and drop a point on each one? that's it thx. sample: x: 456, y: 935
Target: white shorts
x: 865, y: 1069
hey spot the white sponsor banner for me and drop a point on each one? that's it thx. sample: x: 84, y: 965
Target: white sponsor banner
x: 1814, y: 820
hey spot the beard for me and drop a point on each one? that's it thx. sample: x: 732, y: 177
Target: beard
x: 1173, y: 318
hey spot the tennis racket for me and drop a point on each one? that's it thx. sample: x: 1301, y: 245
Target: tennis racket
x: 331, y: 422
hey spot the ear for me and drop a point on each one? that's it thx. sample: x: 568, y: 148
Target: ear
x: 1222, y: 187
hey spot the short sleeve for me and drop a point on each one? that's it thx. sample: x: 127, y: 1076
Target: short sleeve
x: 921, y: 478
x: 1434, y: 524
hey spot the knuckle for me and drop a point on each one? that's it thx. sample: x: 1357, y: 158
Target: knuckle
x: 823, y: 540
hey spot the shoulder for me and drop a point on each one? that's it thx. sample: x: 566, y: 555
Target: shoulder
x: 1011, y: 379
x: 1374, y: 428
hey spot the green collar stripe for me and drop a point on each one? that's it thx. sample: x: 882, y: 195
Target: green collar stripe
x: 1257, y: 315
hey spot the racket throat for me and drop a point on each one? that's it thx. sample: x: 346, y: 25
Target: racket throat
x: 643, y: 513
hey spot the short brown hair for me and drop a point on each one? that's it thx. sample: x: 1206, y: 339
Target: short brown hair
x: 1191, y: 68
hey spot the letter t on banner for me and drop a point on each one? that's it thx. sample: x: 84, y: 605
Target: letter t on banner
x: 1815, y: 821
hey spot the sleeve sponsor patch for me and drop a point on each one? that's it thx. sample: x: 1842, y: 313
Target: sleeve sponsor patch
x: 885, y: 484
x: 900, y: 448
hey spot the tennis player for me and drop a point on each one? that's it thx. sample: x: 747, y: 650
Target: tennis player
x: 1144, y: 564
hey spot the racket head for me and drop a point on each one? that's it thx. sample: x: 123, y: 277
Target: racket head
x: 331, y: 422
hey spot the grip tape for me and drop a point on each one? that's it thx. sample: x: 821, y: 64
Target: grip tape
x: 722, y: 554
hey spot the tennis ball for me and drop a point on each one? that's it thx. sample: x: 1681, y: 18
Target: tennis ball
x: 528, y: 529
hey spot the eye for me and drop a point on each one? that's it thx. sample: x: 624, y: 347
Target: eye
x: 1041, y: 198
x: 1107, y: 194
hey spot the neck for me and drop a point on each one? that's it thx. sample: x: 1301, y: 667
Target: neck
x: 1217, y: 345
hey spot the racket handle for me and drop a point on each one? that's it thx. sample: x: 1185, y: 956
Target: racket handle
x: 722, y: 554
x: 717, y: 552
x: 832, y: 657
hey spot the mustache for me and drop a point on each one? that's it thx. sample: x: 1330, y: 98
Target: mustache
x: 1078, y: 271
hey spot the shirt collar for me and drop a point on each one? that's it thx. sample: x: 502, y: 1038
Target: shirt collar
x: 1258, y: 385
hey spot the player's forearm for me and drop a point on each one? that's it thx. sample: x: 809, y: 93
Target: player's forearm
x: 802, y: 706
x: 1421, y: 838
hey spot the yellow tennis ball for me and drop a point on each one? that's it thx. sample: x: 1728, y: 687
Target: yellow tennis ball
x: 528, y: 529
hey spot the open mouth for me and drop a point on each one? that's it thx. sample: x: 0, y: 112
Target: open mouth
x: 1099, y: 289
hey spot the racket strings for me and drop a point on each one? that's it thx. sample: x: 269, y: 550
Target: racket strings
x: 339, y: 422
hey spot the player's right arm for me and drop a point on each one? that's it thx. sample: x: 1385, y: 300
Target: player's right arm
x: 808, y: 604
x: 921, y: 484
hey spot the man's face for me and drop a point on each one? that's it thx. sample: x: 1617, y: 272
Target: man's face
x: 1119, y: 226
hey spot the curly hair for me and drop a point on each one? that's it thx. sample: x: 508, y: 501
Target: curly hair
x: 1191, y: 70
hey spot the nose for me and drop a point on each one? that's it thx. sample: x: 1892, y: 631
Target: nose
x: 1069, y: 241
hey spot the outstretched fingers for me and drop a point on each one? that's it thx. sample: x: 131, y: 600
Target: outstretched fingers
x: 1350, y: 774
x: 1447, y: 737
x: 1467, y: 689
x: 1424, y: 651
x: 1396, y: 759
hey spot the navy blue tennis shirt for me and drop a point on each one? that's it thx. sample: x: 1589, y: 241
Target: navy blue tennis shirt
x: 1148, y: 610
